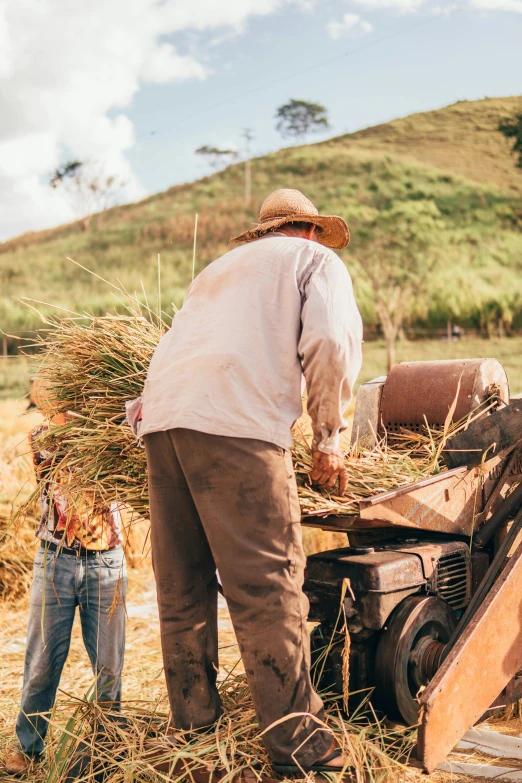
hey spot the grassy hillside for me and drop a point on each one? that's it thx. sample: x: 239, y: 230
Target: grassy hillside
x: 478, y: 278
x: 462, y: 138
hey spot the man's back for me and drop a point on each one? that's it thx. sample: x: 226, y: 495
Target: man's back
x: 232, y: 362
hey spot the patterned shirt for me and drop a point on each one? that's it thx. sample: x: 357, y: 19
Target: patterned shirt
x: 78, y: 527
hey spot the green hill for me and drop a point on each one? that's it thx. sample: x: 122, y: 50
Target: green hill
x: 454, y: 157
x: 462, y: 138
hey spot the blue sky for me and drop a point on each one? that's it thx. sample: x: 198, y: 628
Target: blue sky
x: 448, y: 58
x: 135, y: 86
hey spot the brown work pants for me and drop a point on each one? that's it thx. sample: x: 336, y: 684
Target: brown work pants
x: 231, y: 504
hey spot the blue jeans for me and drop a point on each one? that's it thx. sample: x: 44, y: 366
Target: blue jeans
x: 97, y: 585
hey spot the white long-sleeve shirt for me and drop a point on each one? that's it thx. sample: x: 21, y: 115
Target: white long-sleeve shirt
x: 253, y: 323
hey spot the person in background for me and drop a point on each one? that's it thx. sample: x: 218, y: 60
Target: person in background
x: 222, y: 393
x: 80, y: 564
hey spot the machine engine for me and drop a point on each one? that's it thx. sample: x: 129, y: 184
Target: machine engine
x: 409, y: 572
x: 363, y: 587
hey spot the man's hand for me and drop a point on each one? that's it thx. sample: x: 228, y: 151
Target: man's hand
x: 327, y: 468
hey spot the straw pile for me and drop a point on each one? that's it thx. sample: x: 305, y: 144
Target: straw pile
x: 132, y: 745
x: 395, y: 461
x: 94, y: 365
x: 17, y: 546
x: 392, y: 463
x: 17, y: 482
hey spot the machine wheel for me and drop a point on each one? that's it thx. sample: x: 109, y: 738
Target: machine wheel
x: 409, y: 653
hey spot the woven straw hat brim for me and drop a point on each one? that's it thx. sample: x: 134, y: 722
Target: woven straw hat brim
x: 334, y: 231
x: 41, y: 395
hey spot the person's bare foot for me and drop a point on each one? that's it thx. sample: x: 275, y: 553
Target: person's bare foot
x: 338, y: 759
x: 17, y: 763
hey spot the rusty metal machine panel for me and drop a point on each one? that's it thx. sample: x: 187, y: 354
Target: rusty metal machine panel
x: 449, y: 502
x: 484, y: 659
x: 445, y: 503
x: 414, y: 391
x: 485, y: 437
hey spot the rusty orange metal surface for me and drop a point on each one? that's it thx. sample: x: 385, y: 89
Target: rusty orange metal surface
x: 483, y: 661
x: 418, y: 391
x: 445, y: 503
x: 435, y: 383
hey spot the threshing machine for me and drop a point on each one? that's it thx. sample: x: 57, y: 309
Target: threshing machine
x: 430, y: 580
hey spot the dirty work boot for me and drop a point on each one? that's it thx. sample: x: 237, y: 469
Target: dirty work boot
x: 17, y: 763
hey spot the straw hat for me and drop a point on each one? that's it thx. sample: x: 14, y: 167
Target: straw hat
x: 41, y: 395
x: 291, y: 206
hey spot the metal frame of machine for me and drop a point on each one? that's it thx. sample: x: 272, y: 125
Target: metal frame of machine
x: 413, y: 578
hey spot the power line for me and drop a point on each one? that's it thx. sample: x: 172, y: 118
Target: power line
x: 321, y: 64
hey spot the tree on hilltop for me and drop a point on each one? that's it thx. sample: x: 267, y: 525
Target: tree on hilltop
x: 397, y: 249
x: 217, y: 158
x: 512, y: 129
x: 299, y: 118
x: 87, y: 187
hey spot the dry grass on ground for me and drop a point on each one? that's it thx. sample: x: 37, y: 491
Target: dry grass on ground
x: 17, y: 546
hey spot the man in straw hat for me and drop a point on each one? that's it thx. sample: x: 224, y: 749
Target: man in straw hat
x: 222, y: 394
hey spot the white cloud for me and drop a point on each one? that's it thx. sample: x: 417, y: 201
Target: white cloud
x: 403, y: 6
x: 166, y: 65
x: 207, y: 14
x: 444, y: 10
x: 440, y: 9
x: 68, y: 71
x: 350, y: 23
x: 513, y: 6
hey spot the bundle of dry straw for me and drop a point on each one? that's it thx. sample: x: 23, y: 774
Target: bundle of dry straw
x: 93, y: 365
